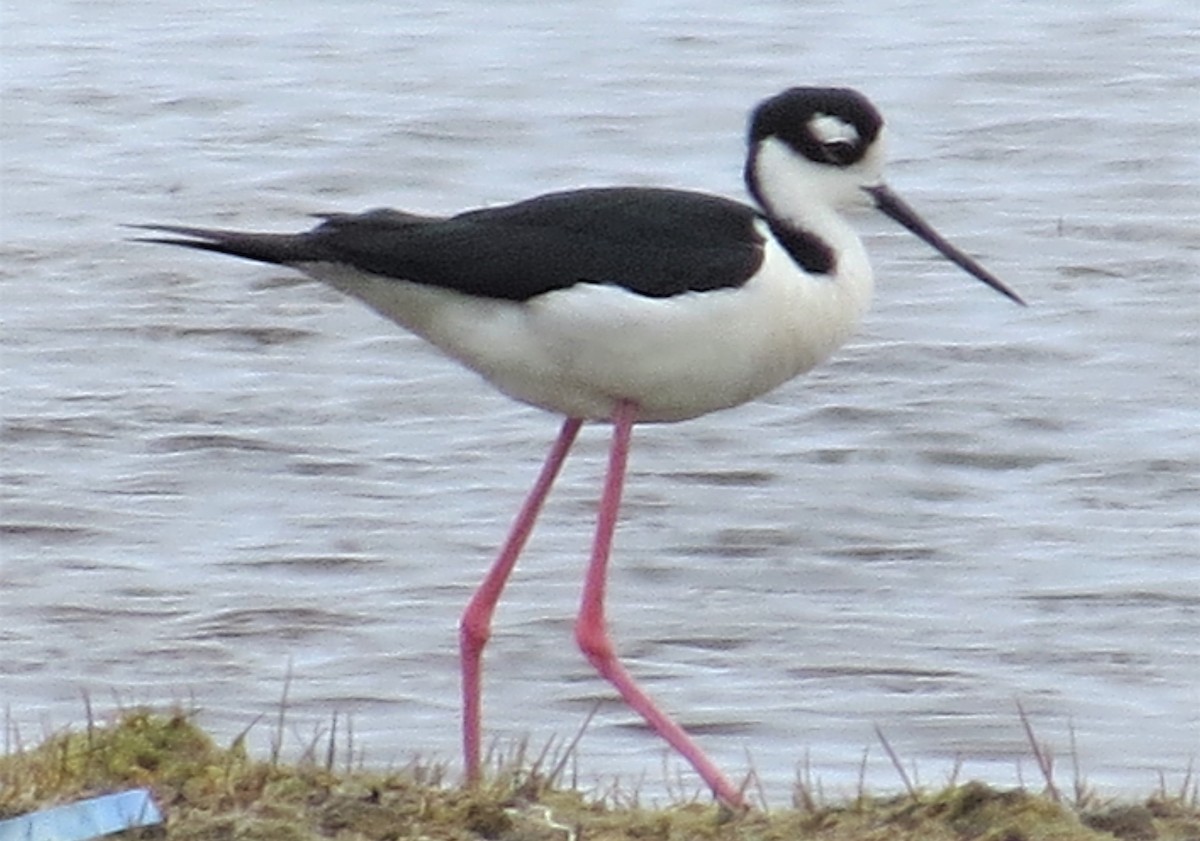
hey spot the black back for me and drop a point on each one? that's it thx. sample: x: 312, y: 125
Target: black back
x: 654, y: 242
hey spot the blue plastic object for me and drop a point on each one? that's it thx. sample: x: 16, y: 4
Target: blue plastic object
x: 85, y: 819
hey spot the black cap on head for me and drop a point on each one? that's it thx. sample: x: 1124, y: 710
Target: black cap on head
x: 832, y: 126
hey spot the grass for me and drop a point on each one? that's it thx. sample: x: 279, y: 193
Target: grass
x: 214, y: 793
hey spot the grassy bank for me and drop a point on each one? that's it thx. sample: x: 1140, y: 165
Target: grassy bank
x: 213, y: 793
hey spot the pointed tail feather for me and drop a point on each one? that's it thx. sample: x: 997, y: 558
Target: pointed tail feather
x: 278, y: 249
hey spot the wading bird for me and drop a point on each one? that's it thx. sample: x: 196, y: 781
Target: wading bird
x: 624, y: 305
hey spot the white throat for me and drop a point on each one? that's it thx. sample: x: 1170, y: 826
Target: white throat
x: 804, y: 196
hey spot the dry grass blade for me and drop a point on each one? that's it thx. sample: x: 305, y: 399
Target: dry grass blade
x: 896, y: 763
x: 277, y: 738
x: 803, y: 792
x: 1041, y: 755
x: 556, y: 773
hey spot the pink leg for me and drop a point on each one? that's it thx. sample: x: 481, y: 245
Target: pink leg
x: 592, y: 635
x: 476, y: 624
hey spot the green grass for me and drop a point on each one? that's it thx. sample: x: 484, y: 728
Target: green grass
x: 214, y: 793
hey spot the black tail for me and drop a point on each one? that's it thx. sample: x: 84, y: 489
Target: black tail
x: 279, y: 249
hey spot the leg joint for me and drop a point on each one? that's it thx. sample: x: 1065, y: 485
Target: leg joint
x: 594, y: 642
x: 473, y: 632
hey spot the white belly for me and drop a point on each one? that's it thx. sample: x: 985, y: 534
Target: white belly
x: 579, y: 350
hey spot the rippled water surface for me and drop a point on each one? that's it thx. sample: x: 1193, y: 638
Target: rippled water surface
x: 214, y: 469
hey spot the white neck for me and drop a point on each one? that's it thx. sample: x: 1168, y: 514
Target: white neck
x: 801, y: 195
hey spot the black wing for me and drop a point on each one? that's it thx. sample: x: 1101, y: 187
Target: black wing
x: 653, y: 242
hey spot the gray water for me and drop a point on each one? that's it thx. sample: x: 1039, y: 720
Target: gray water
x: 214, y: 469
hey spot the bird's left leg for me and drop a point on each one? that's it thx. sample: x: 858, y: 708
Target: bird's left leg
x: 475, y: 627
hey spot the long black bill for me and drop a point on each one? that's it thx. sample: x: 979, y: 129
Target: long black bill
x: 895, y: 207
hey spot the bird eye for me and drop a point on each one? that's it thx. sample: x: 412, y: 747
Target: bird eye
x: 836, y: 139
x: 839, y: 152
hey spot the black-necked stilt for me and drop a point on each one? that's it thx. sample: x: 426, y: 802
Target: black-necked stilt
x: 625, y: 305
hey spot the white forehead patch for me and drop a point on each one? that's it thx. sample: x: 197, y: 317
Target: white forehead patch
x: 830, y: 129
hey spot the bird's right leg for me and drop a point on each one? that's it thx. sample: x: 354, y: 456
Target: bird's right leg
x: 591, y: 627
x: 476, y: 624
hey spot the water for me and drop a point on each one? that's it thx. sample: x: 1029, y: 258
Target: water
x: 212, y: 470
